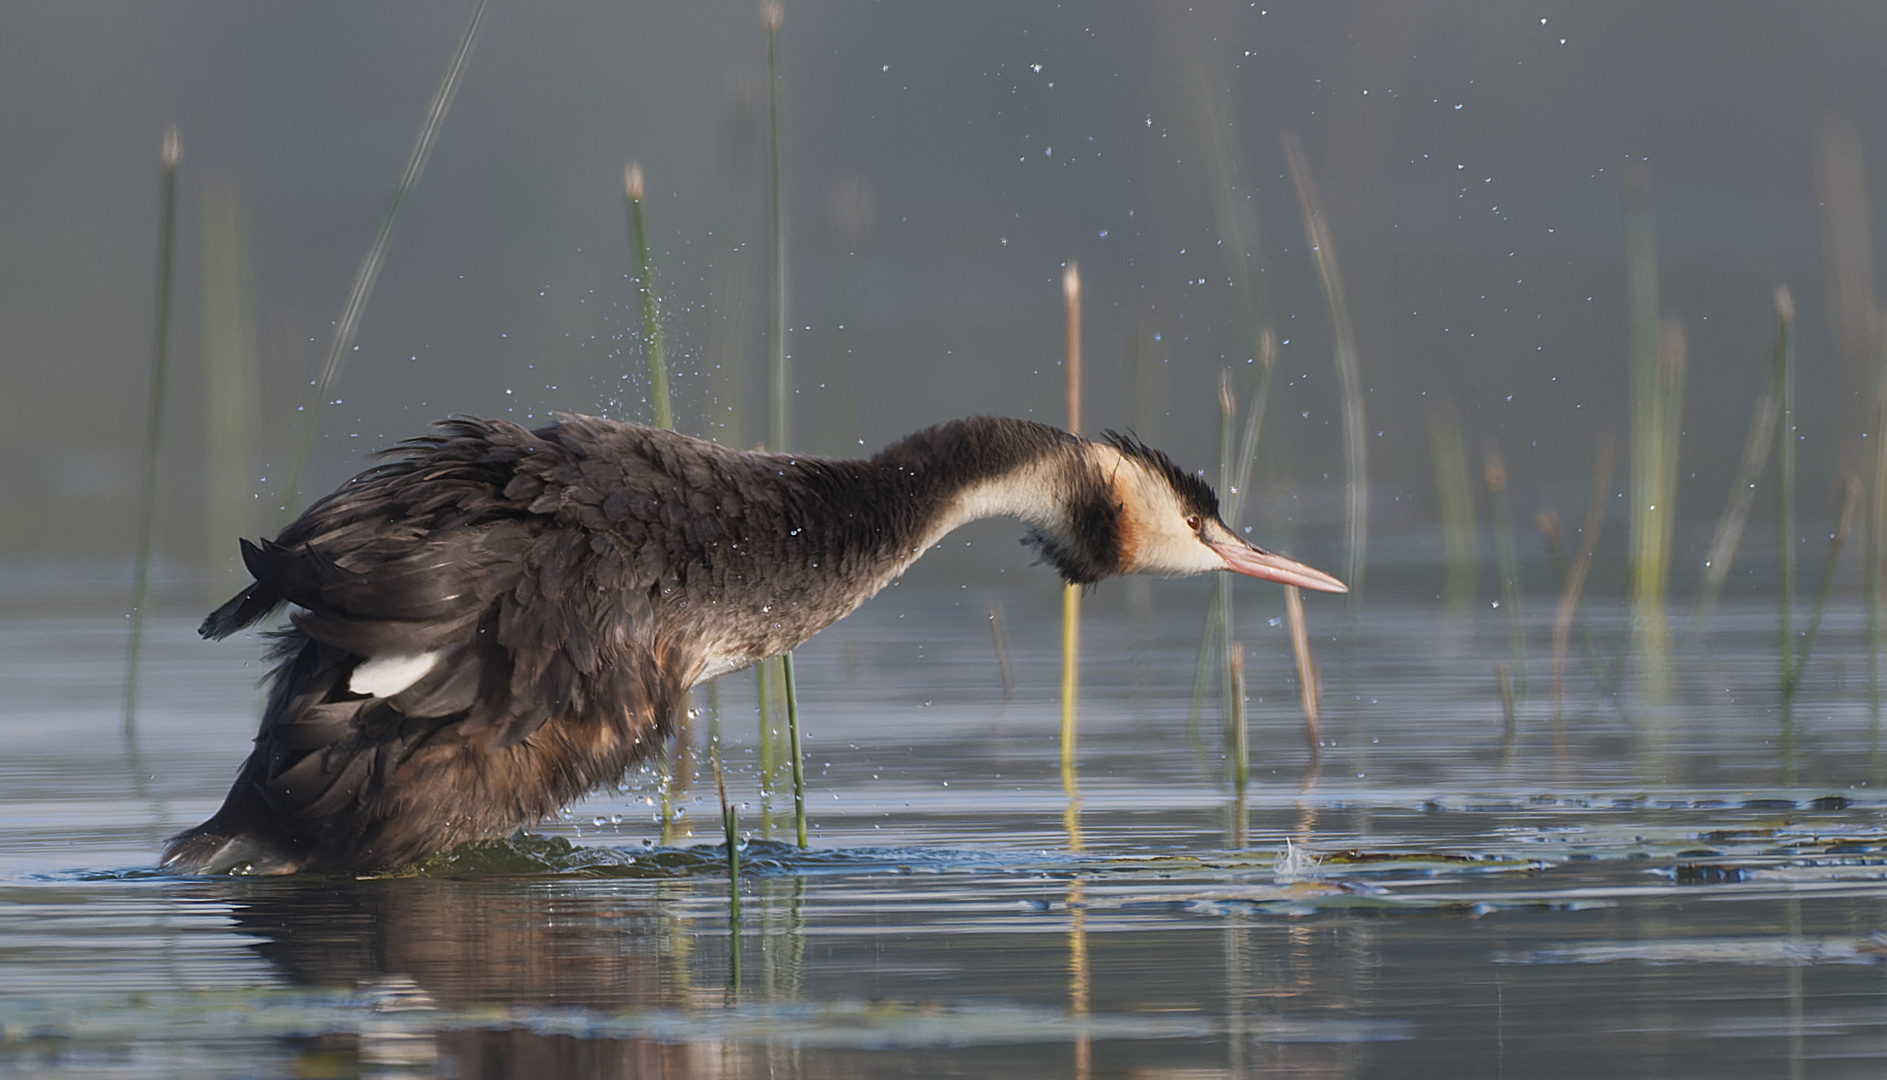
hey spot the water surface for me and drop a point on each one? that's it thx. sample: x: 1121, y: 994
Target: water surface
x: 1690, y: 889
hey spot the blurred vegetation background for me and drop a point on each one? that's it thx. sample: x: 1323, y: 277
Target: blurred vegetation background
x: 941, y: 164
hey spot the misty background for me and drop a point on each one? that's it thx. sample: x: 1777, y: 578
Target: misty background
x: 942, y: 163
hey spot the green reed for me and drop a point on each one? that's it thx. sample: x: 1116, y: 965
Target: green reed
x: 651, y: 303
x: 369, y: 273
x: 730, y: 826
x: 1757, y: 445
x: 1657, y: 373
x: 154, y: 420
x: 763, y: 689
x: 771, y: 15
x: 1844, y: 520
x: 797, y: 756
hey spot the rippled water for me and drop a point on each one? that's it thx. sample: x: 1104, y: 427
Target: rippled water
x: 1696, y: 889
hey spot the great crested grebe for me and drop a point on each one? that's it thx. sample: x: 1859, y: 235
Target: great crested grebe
x: 493, y: 621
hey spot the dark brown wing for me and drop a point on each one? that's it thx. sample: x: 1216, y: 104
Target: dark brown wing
x: 548, y: 674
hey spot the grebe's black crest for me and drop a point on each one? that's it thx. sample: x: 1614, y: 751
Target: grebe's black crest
x: 1192, y: 490
x: 493, y: 621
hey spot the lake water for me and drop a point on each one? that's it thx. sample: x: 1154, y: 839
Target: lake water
x: 1696, y: 889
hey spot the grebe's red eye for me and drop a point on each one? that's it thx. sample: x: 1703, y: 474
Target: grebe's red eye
x: 1193, y: 521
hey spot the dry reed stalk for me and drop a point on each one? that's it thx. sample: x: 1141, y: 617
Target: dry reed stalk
x: 1494, y: 472
x: 1071, y: 593
x: 1241, y: 729
x: 1002, y: 652
x: 1510, y: 726
x: 1548, y: 524
x: 1348, y: 363
x: 1756, y: 448
x: 1576, y: 581
x: 1308, y: 691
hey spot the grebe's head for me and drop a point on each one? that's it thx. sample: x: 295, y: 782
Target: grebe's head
x: 1167, y: 522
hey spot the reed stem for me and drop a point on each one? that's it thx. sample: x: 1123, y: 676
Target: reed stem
x: 763, y: 687
x: 1756, y: 448
x: 1230, y: 709
x: 1850, y: 496
x: 1548, y: 523
x: 798, y: 756
x: 1254, y: 421
x: 369, y: 273
x: 651, y: 307
x: 1576, y: 583
x: 1308, y: 692
x: 730, y: 827
x: 1002, y: 651
x: 1348, y: 364
x: 777, y: 415
x: 1509, y: 725
x: 154, y: 421
x: 1494, y: 471
x: 1071, y: 593
x: 1657, y: 363
x: 1874, y: 552
x: 1241, y: 728
x: 1785, y: 484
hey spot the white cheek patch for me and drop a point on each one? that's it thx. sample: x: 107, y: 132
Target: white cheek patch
x: 385, y: 676
x: 1179, y: 553
x: 1160, y: 540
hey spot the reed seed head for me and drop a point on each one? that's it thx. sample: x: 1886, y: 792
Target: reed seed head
x: 172, y: 150
x: 772, y: 14
x: 1548, y: 523
x: 1785, y: 304
x: 632, y: 181
x: 1071, y: 282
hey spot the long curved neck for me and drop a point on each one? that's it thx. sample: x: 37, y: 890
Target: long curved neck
x: 961, y: 471
x: 814, y: 538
